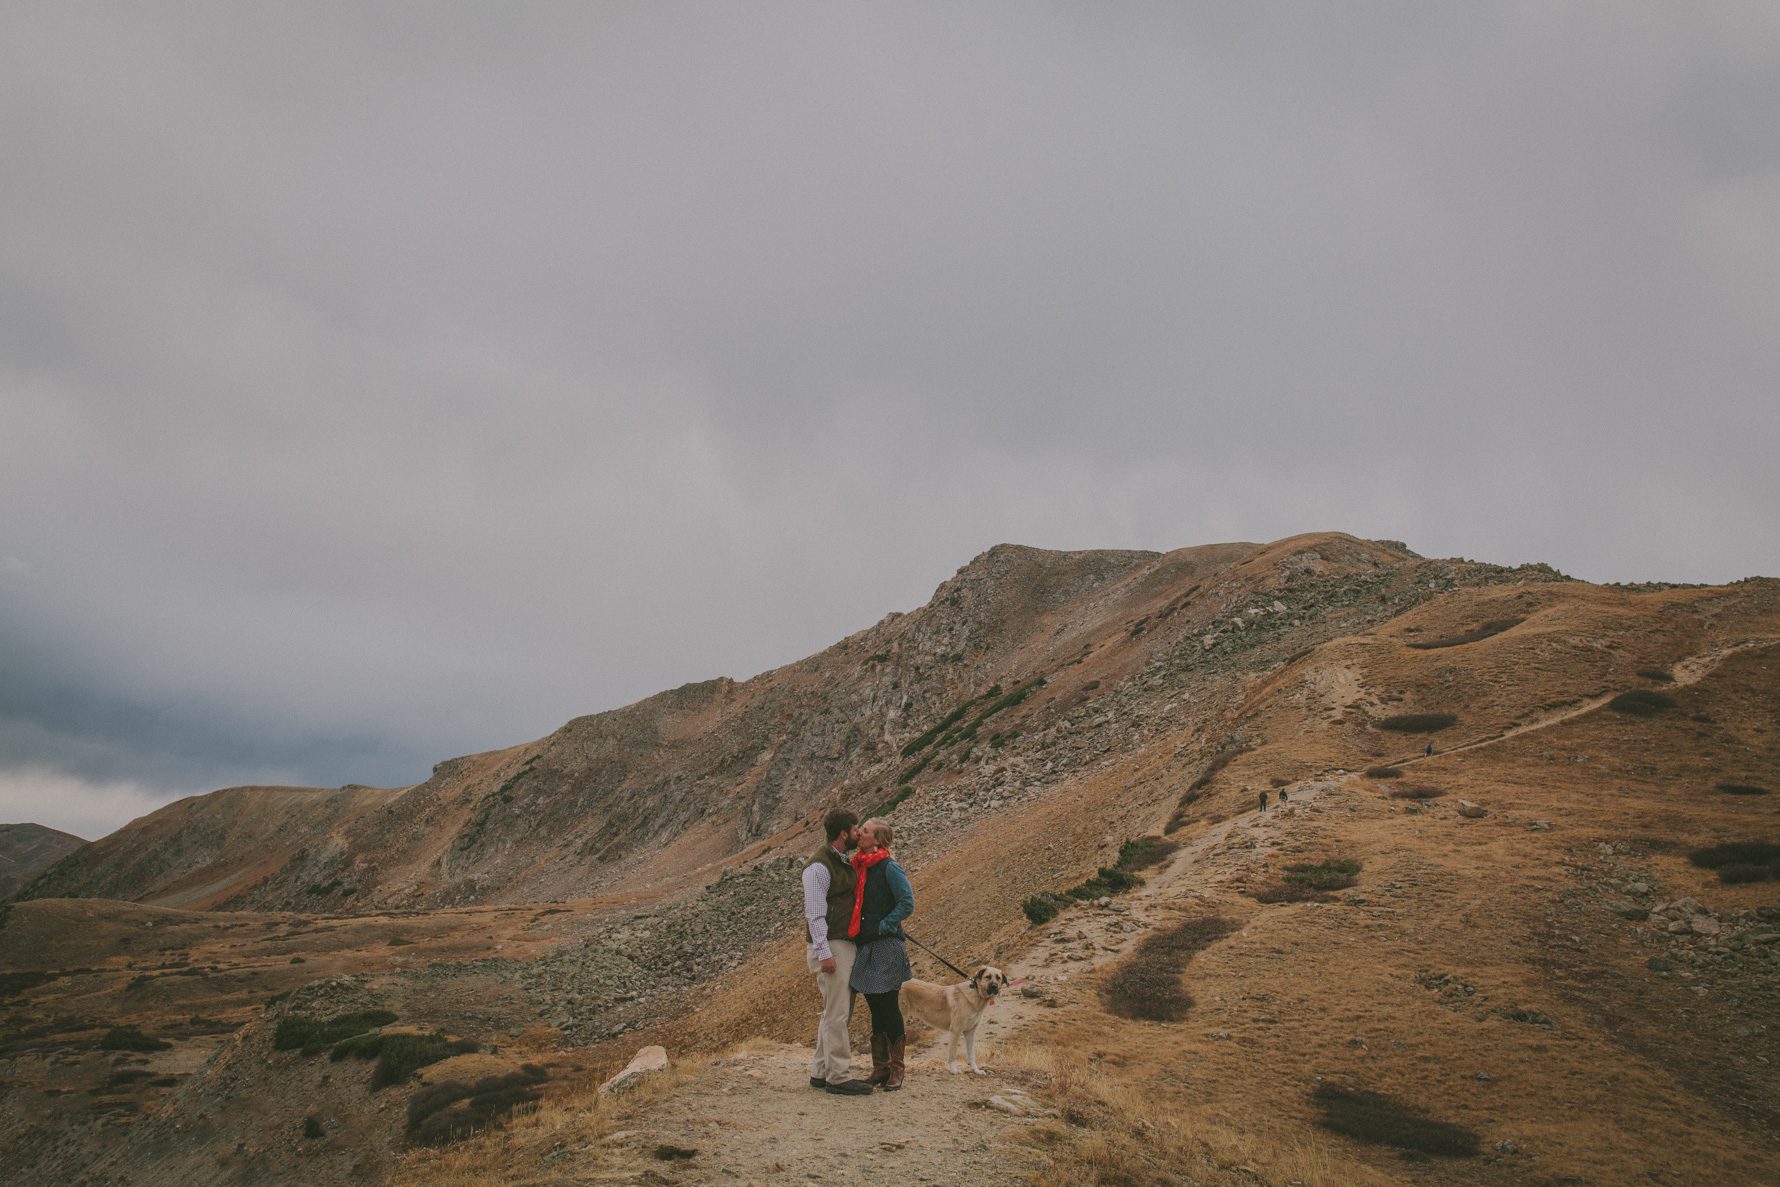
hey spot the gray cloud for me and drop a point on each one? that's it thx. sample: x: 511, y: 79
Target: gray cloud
x: 386, y: 382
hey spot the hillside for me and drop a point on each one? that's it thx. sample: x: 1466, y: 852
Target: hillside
x: 26, y: 850
x: 1519, y: 972
x: 692, y: 776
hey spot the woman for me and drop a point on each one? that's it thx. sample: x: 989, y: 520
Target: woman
x: 882, y: 899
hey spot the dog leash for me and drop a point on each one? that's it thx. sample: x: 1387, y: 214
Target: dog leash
x: 935, y: 955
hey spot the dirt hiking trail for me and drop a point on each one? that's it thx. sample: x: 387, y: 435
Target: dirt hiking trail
x: 1689, y: 671
x: 752, y: 1118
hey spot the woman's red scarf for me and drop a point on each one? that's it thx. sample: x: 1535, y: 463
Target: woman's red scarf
x: 861, y: 863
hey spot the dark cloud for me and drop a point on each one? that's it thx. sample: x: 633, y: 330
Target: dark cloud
x: 383, y: 382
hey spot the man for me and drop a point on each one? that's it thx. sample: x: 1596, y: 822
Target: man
x: 828, y: 882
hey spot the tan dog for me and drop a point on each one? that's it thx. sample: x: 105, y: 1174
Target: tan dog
x: 955, y: 1008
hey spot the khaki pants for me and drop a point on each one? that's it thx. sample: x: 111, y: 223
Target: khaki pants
x: 834, y: 1050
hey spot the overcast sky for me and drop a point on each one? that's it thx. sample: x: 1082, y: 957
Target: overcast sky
x: 380, y: 383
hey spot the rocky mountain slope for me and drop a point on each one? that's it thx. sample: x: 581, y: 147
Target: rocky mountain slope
x: 630, y: 878
x: 694, y: 775
x: 26, y: 850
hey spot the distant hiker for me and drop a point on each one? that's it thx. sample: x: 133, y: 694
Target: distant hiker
x: 1282, y: 797
x: 882, y: 900
x: 828, y: 894
x: 1263, y: 801
x: 1430, y: 750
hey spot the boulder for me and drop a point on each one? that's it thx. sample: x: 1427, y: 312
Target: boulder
x: 647, y: 1062
x: 1017, y: 1104
x: 1472, y: 811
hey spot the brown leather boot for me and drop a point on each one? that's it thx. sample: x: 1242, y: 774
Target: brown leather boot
x: 894, y: 1080
x: 880, y: 1059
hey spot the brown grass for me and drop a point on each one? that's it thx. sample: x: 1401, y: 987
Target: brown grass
x: 1291, y: 892
x: 528, y: 1145
x: 1418, y: 723
x: 1386, y: 1121
x: 1417, y: 793
x: 1641, y: 702
x: 1475, y: 634
x: 1147, y: 985
x: 1112, y: 1133
x: 452, y: 1111
x: 1742, y: 789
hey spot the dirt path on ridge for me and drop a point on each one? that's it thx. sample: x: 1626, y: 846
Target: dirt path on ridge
x: 753, y: 1118
x: 1691, y: 670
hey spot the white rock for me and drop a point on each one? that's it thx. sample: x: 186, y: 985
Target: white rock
x: 647, y: 1062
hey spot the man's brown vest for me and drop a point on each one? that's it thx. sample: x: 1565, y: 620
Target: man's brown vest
x: 841, y: 880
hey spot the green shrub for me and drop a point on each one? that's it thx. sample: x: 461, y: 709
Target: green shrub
x: 1488, y: 629
x: 1147, y: 984
x: 1291, y: 892
x: 400, y: 1055
x: 1041, y: 908
x: 1382, y: 1120
x: 1734, y: 853
x: 1418, y: 723
x: 312, y: 1127
x: 1743, y: 871
x: 911, y: 772
x: 1323, y: 875
x: 1656, y: 674
x: 128, y: 1038
x: 1742, y: 789
x: 1384, y: 772
x: 1641, y: 702
x: 1145, y: 852
x: 889, y: 805
x: 1531, y: 1018
x: 1108, y: 881
x: 1137, y: 854
x: 921, y: 741
x: 311, y: 1035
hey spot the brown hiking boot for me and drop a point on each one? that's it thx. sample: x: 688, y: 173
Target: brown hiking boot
x: 880, y: 1060
x: 894, y: 1080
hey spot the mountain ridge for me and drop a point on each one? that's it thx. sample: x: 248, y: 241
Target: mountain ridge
x: 689, y: 774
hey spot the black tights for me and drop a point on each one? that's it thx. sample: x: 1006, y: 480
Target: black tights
x: 886, y: 1013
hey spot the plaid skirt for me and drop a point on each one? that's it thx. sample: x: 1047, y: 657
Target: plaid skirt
x: 880, y: 966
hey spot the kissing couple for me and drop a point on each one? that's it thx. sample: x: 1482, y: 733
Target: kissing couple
x: 855, y: 897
